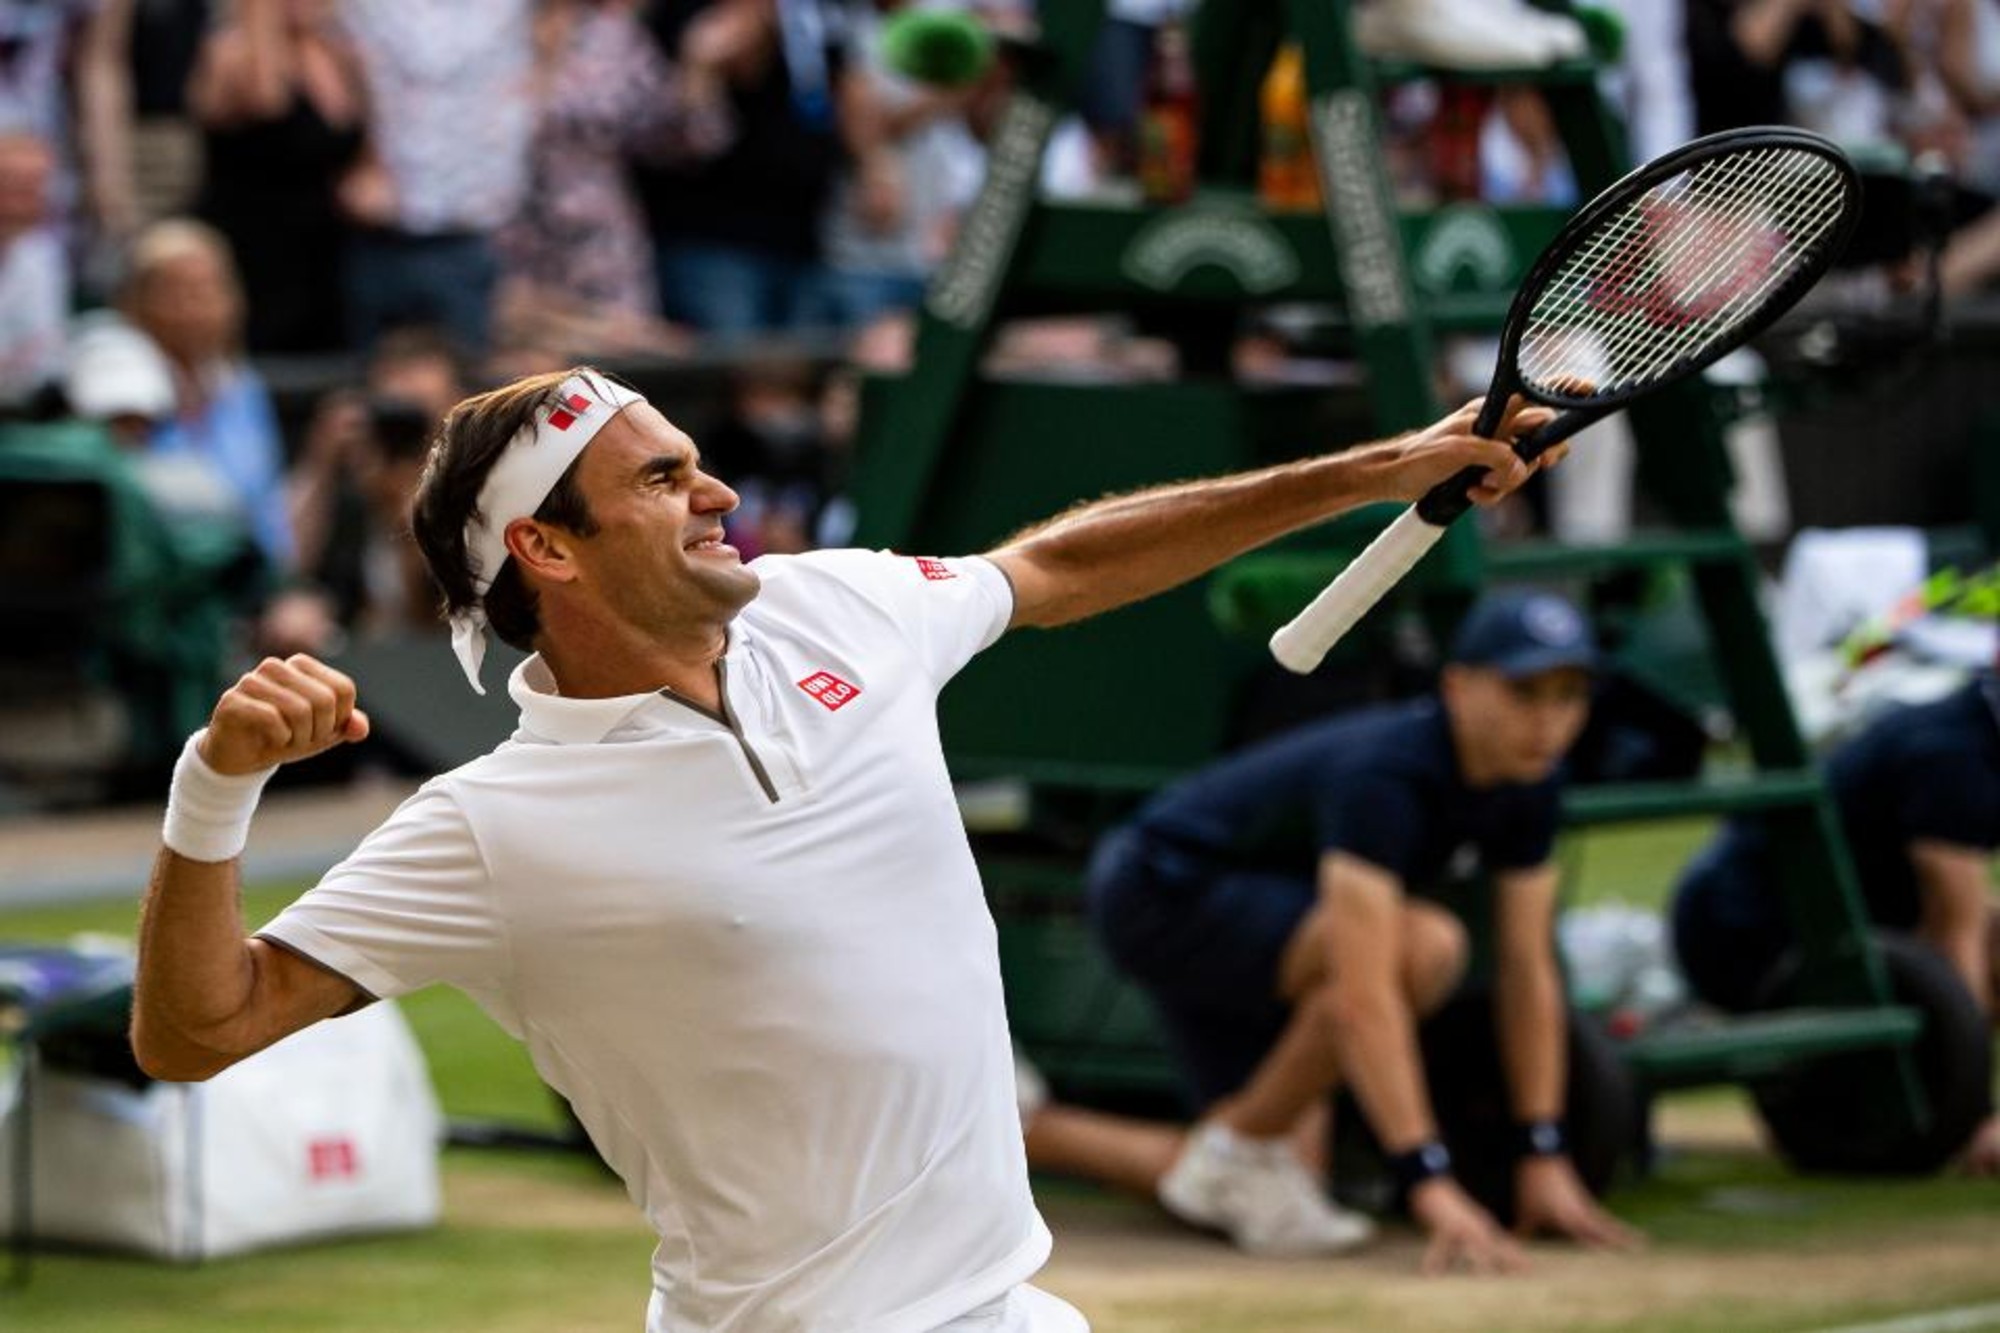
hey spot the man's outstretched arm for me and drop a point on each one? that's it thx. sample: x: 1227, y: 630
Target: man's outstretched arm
x: 1108, y: 553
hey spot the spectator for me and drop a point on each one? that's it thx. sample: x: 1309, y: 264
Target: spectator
x: 737, y: 236
x: 118, y: 377
x: 449, y: 120
x: 578, y: 251
x: 774, y: 450
x: 357, y: 469
x: 279, y: 96
x: 1650, y: 82
x: 34, y: 273
x: 421, y: 365
x: 1740, y: 53
x: 893, y: 211
x: 166, y: 42
x: 59, y: 49
x: 363, y: 456
x: 181, y: 290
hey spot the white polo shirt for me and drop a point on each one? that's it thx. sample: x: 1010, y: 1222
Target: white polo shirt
x: 752, y: 950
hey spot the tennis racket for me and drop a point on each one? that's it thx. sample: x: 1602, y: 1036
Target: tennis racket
x: 1686, y: 258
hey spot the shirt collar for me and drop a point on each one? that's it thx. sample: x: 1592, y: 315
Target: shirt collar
x: 550, y: 715
x: 566, y: 721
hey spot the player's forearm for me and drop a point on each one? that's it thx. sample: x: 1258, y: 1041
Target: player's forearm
x: 1533, y: 1031
x: 196, y: 974
x: 1111, y: 552
x: 1377, y: 1042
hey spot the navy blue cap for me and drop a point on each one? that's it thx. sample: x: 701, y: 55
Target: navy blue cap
x: 1520, y: 633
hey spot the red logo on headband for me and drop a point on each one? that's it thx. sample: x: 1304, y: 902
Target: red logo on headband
x: 572, y: 407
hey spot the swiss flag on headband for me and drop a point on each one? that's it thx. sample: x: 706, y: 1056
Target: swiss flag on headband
x: 572, y: 407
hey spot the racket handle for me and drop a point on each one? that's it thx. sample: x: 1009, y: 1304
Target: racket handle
x: 1302, y: 644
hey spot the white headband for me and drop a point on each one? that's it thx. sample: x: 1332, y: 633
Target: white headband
x: 529, y: 468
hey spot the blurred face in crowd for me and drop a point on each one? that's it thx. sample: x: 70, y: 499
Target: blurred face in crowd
x: 1514, y: 729
x: 25, y: 167
x: 186, y: 298
x: 427, y: 382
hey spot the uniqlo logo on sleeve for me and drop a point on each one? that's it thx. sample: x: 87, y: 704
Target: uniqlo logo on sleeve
x: 934, y: 569
x: 332, y: 1159
x: 830, y: 690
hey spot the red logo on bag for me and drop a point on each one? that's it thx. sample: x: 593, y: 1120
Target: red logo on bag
x: 933, y: 568
x: 830, y: 690
x: 332, y: 1159
x: 565, y: 415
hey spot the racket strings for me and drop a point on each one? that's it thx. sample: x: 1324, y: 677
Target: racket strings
x: 1641, y: 298
x: 1638, y: 304
x: 1677, y: 269
x: 1736, y: 271
x: 1629, y: 276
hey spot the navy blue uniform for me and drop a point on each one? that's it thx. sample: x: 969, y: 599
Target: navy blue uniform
x: 1197, y: 897
x: 1930, y: 772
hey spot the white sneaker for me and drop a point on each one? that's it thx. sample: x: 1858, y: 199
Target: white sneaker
x: 1259, y: 1194
x: 1467, y: 34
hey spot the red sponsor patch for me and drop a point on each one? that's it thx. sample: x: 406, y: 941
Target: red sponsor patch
x: 332, y: 1159
x: 934, y: 569
x: 574, y: 406
x: 830, y: 690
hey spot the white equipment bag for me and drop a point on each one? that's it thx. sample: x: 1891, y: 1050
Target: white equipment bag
x: 333, y: 1131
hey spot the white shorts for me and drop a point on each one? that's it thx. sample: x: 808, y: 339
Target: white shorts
x: 1025, y: 1309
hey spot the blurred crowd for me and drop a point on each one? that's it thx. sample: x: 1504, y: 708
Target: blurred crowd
x: 450, y: 192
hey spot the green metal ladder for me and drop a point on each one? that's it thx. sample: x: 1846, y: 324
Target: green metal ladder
x: 1066, y: 712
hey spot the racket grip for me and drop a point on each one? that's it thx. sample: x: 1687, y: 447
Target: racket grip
x: 1303, y: 643
x: 1445, y: 502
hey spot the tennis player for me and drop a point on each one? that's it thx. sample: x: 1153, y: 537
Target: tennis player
x: 716, y: 881
x: 1280, y: 909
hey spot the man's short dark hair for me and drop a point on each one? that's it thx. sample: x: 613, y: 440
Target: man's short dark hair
x: 468, y: 444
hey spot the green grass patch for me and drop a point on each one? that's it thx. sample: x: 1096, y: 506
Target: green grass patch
x: 459, y: 1278
x: 1632, y: 865
x: 1731, y: 1199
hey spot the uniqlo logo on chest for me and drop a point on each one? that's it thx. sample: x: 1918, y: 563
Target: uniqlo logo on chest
x: 830, y: 690
x: 934, y: 569
x: 332, y: 1159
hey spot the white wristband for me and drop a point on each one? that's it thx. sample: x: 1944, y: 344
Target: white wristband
x: 208, y: 813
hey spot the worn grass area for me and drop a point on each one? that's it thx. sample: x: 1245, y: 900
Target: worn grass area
x: 534, y: 1243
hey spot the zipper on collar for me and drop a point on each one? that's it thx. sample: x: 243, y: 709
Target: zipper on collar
x: 736, y: 730
x: 727, y: 717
